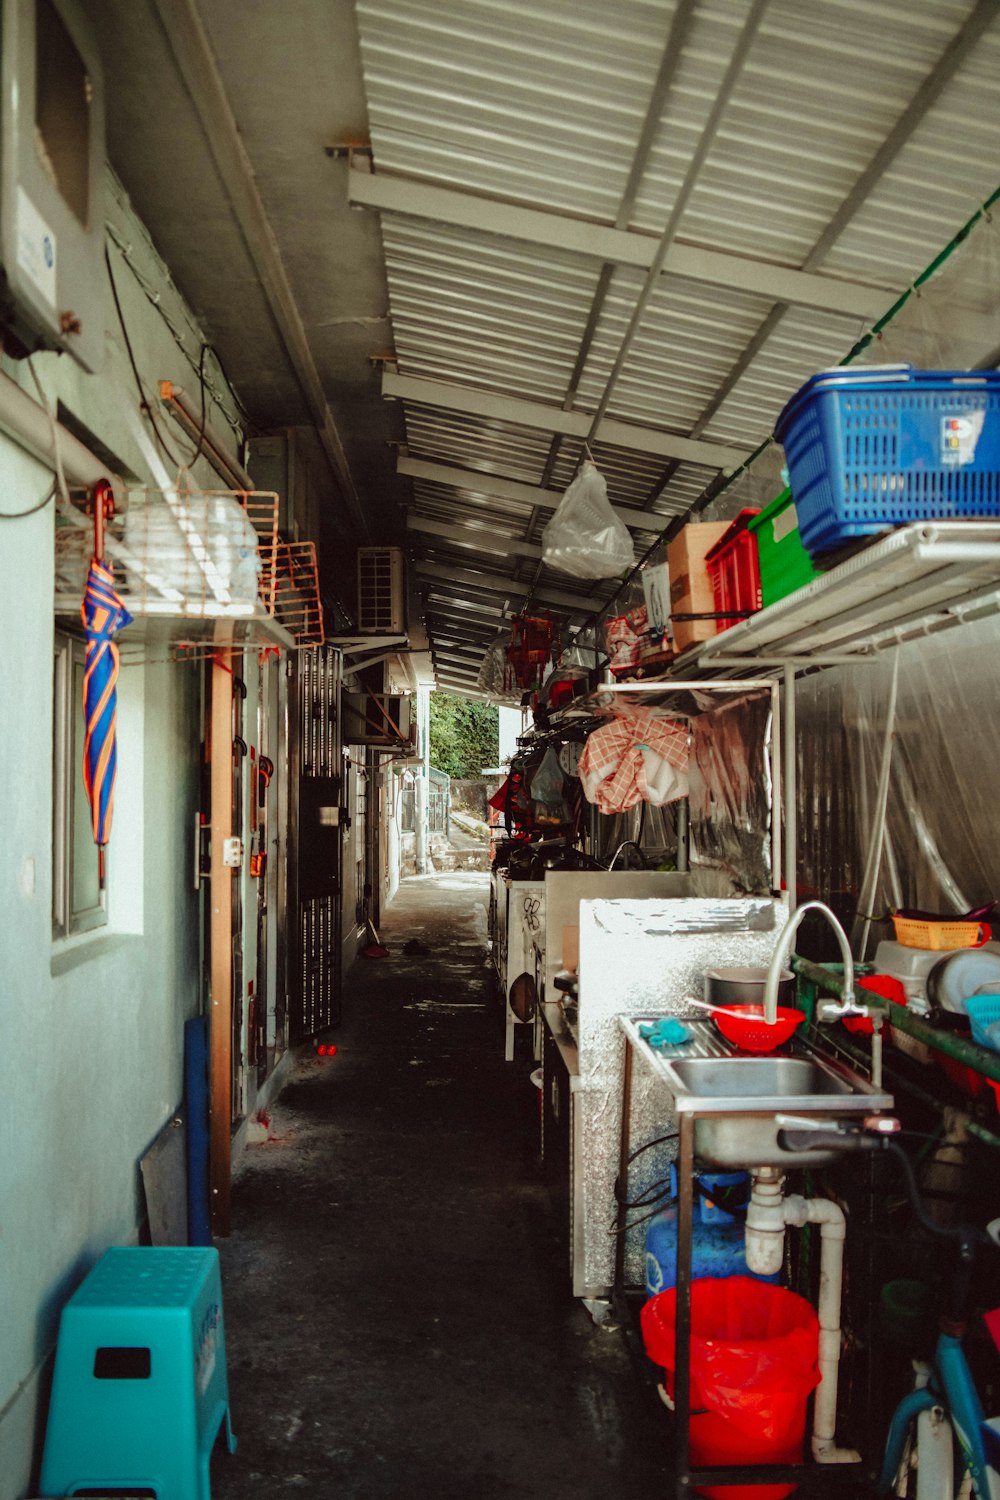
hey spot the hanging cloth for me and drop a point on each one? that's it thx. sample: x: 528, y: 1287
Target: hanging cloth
x: 641, y: 758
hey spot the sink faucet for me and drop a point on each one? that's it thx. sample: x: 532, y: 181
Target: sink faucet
x: 830, y: 1010
x: 628, y: 844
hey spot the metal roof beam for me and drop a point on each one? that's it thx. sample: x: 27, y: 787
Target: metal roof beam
x: 499, y: 584
x: 459, y: 658
x: 513, y: 490
x: 445, y: 634
x: 554, y: 231
x: 540, y: 418
x: 477, y: 538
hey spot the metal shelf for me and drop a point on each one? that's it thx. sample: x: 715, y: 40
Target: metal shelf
x: 920, y: 579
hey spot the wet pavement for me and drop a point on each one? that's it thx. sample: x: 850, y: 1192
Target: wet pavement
x: 397, y: 1301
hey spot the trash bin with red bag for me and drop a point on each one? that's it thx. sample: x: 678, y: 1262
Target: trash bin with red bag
x: 754, y: 1362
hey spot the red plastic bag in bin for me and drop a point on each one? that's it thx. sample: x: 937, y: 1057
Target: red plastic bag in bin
x: 754, y: 1353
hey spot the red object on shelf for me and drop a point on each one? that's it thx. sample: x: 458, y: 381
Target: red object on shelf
x: 735, y: 572
x: 879, y: 984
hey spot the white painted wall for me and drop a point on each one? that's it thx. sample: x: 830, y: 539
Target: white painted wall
x: 91, y: 1065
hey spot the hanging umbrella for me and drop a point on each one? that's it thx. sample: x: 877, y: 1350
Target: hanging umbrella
x: 103, y: 616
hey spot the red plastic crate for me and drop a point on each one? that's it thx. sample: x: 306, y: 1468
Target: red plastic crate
x: 735, y: 572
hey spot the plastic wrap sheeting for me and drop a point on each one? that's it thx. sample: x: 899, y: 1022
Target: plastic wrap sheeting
x: 941, y: 850
x: 951, y: 321
x: 730, y: 791
x: 644, y: 958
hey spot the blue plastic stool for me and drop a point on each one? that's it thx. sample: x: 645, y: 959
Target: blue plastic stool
x: 140, y: 1387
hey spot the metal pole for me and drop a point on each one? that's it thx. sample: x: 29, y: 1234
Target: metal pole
x: 422, y: 835
x: 682, y: 1320
x: 683, y: 831
x: 788, y: 770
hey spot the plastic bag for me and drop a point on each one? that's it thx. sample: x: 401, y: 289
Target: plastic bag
x: 547, y: 789
x: 754, y: 1352
x: 201, y: 547
x: 584, y: 537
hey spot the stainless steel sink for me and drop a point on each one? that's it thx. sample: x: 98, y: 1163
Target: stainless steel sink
x: 735, y: 1096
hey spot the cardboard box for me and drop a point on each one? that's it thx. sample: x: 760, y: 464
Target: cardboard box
x: 691, y: 590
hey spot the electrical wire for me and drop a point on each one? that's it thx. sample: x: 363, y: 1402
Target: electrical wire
x: 204, y: 409
x: 18, y: 515
x: 155, y: 297
x: 143, y: 401
x: 62, y: 487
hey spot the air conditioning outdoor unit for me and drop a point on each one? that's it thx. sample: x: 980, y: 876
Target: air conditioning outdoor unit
x: 381, y: 591
x: 380, y: 719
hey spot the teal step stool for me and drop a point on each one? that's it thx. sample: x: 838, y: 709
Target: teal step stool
x: 140, y: 1388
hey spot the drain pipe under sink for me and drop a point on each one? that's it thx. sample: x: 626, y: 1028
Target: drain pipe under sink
x: 768, y: 1214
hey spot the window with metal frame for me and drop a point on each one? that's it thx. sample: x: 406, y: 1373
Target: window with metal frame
x: 78, y: 903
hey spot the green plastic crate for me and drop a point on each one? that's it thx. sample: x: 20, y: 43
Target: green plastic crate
x: 785, y: 565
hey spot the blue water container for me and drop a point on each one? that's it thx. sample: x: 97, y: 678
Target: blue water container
x: 717, y: 1238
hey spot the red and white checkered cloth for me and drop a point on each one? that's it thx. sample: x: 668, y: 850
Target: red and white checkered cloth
x: 638, y: 758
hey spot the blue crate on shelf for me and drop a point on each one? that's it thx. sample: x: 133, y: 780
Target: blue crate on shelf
x: 983, y: 1012
x: 871, y: 449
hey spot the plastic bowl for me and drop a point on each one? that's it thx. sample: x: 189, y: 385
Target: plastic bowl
x: 744, y: 1025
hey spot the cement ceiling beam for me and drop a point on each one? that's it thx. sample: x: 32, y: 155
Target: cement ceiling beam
x: 538, y: 417
x: 476, y: 483
x: 470, y: 536
x: 623, y: 247
x: 192, y: 49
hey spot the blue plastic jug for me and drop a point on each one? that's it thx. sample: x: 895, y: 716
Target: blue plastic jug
x: 717, y: 1240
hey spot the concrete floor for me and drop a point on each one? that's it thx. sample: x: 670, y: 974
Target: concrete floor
x: 397, y: 1306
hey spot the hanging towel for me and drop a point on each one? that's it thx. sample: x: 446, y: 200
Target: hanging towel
x: 641, y: 758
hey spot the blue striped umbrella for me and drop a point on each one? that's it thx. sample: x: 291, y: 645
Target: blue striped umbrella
x: 103, y: 616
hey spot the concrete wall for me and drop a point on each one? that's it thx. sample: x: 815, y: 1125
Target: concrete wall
x: 91, y: 1066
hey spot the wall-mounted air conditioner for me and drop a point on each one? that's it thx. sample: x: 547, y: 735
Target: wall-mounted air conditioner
x: 381, y: 591
x: 381, y: 719
x: 51, y: 181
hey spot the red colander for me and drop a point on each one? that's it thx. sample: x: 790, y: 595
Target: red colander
x: 744, y: 1025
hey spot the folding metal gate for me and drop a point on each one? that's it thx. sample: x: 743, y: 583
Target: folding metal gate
x: 314, y: 871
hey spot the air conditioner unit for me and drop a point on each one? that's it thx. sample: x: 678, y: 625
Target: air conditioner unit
x: 381, y: 591
x: 52, y: 158
x: 381, y: 719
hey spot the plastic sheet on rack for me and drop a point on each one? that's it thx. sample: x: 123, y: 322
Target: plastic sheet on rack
x: 940, y: 849
x: 951, y: 321
x: 626, y: 629
x: 730, y: 800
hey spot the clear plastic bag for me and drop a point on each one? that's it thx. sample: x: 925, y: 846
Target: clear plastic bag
x: 584, y: 537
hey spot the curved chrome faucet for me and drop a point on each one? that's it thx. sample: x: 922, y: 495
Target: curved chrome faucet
x: 832, y: 1010
x: 628, y: 844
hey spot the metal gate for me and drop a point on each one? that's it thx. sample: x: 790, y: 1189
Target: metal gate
x: 317, y: 814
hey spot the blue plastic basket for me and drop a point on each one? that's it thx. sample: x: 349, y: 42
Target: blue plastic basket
x: 983, y: 1011
x: 871, y: 449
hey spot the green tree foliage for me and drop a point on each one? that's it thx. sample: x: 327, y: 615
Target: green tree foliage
x: 464, y: 735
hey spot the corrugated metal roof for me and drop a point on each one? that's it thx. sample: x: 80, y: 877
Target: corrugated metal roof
x: 858, y: 137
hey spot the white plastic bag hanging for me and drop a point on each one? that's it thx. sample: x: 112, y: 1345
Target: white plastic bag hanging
x: 584, y: 537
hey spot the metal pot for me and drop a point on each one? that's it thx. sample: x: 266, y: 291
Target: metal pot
x: 745, y: 986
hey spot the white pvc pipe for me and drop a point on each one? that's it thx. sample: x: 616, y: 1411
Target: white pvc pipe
x: 26, y: 421
x: 768, y: 1214
x: 830, y: 1217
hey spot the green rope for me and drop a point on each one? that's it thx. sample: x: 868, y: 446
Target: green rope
x: 712, y: 494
